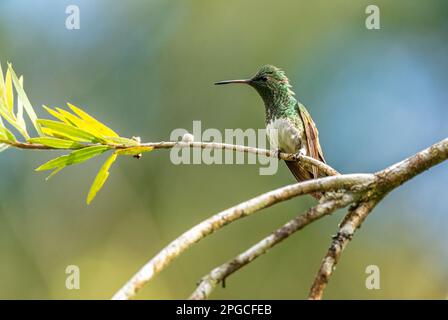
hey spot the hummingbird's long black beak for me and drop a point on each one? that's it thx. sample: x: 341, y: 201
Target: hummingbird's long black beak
x: 234, y: 81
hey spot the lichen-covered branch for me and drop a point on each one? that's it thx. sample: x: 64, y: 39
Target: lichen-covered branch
x: 345, y: 234
x: 216, y: 222
x: 220, y: 273
x: 386, y: 180
x: 368, y: 188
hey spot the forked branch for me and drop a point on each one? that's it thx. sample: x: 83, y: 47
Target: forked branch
x: 219, y: 274
x: 365, y: 190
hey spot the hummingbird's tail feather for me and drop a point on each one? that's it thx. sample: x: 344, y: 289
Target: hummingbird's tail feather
x: 301, y: 173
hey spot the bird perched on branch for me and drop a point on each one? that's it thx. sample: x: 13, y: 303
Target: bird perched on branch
x: 289, y: 126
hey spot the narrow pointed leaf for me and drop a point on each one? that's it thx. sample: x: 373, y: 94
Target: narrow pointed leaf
x: 8, y: 91
x: 10, y: 118
x: 24, y: 98
x: 122, y: 141
x: 19, y: 116
x: 101, y: 178
x: 66, y: 130
x: 81, y: 123
x: 56, y: 143
x: 77, y: 122
x: 57, y: 115
x: 2, y: 83
x: 2, y: 125
x: 9, y: 135
x: 77, y: 156
x: 53, y: 173
x: 134, y: 150
x: 106, y: 131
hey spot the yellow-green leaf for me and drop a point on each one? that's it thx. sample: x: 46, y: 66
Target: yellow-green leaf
x: 122, y: 141
x: 106, y: 131
x: 19, y: 116
x: 7, y: 116
x: 1, y: 121
x: 68, y: 131
x: 5, y: 134
x: 53, y: 173
x: 8, y: 91
x: 71, y: 118
x: 56, y: 143
x: 134, y: 150
x: 9, y: 135
x: 77, y: 156
x: 80, y: 123
x: 101, y: 178
x: 24, y: 98
x: 56, y: 115
x: 2, y: 82
x: 10, y: 118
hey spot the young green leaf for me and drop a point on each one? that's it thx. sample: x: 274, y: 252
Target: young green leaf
x: 11, y: 119
x: 106, y: 131
x: 120, y: 141
x: 77, y: 156
x: 9, y: 135
x: 8, y: 90
x: 24, y: 98
x: 56, y: 143
x: 80, y: 123
x: 1, y: 121
x: 3, y: 135
x: 71, y: 118
x: 101, y: 178
x: 57, y: 115
x: 68, y: 131
x: 134, y: 150
x: 2, y: 82
x: 19, y: 116
x: 53, y: 173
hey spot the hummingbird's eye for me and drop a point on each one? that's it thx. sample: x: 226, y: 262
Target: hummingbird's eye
x: 264, y: 78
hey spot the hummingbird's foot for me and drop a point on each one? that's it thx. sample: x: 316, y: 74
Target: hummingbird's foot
x: 299, y: 154
x: 278, y: 154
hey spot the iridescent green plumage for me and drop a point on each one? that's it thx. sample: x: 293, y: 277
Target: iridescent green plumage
x: 290, y: 126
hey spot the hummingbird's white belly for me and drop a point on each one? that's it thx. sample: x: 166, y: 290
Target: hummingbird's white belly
x: 284, y: 136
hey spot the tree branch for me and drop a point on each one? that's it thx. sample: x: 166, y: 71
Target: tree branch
x: 369, y: 188
x: 202, y: 145
x: 386, y: 180
x: 357, y: 182
x: 340, y: 241
x: 220, y: 273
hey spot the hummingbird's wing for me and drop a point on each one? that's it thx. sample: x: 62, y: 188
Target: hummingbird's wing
x: 301, y: 172
x: 312, y: 137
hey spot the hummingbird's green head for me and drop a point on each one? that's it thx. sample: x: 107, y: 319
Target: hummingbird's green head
x: 271, y: 84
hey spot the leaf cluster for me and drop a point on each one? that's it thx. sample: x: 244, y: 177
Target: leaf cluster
x: 72, y: 129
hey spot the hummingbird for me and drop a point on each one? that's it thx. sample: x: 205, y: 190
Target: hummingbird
x: 289, y: 126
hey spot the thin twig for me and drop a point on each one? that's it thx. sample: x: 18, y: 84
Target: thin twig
x: 216, y: 222
x: 340, y: 241
x: 222, y: 272
x: 202, y: 145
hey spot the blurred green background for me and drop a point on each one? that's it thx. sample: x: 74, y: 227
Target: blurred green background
x: 147, y: 67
